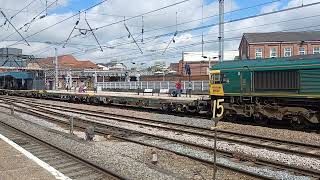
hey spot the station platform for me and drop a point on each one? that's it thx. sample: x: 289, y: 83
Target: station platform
x: 134, y: 95
x: 15, y: 164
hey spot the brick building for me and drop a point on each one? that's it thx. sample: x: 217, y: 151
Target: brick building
x: 278, y: 44
x: 70, y: 67
x: 67, y: 62
x: 198, y: 68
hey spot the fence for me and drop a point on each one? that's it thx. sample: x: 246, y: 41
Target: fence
x: 195, y: 85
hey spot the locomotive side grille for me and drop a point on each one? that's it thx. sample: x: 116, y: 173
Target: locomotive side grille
x: 276, y: 80
x: 310, y: 81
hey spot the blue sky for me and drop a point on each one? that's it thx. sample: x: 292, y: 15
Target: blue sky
x: 75, y: 5
x: 112, y: 35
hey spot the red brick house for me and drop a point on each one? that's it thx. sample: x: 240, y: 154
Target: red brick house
x: 279, y: 44
x: 68, y: 65
x: 198, y: 68
x: 67, y: 62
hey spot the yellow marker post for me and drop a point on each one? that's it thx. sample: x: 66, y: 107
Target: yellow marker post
x: 216, y: 116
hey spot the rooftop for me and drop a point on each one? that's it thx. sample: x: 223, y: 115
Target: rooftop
x: 282, y: 36
x: 67, y: 62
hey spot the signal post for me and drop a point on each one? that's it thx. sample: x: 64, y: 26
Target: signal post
x: 217, y: 112
x: 217, y: 99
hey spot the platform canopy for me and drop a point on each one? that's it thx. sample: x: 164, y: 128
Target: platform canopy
x: 16, y: 75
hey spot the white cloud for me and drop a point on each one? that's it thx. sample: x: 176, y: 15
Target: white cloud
x: 123, y: 48
x: 270, y: 8
x: 286, y: 21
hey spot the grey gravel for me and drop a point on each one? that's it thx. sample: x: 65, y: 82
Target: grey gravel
x: 282, y: 134
x: 289, y: 159
x: 129, y: 159
x: 109, y: 158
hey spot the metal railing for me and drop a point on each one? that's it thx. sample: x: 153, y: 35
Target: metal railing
x: 195, y: 85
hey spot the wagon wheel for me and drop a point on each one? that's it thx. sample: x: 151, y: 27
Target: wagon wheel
x: 191, y: 109
x: 179, y: 108
x: 96, y: 101
x: 87, y: 100
x: 164, y: 107
x: 231, y: 118
x: 299, y: 123
x: 107, y: 101
x: 77, y: 100
x: 139, y: 103
x: 260, y: 119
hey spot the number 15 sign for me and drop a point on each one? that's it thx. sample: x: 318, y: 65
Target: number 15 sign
x: 217, y: 108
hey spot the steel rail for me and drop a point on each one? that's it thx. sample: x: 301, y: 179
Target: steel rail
x: 300, y: 148
x: 104, y: 171
x: 118, y: 133
x: 259, y: 161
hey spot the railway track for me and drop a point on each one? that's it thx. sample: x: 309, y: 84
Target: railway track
x: 298, y: 148
x: 127, y: 135
x: 70, y: 165
x: 245, y: 121
x: 124, y: 135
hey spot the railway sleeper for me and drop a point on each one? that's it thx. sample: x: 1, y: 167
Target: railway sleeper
x: 243, y: 157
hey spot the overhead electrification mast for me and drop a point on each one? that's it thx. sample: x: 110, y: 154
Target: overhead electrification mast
x: 221, y: 30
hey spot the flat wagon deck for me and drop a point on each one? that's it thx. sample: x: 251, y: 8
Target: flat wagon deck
x: 195, y: 103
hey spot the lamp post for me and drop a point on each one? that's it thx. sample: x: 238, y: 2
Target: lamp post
x: 216, y: 120
x: 56, y: 82
x: 136, y: 68
x: 209, y: 58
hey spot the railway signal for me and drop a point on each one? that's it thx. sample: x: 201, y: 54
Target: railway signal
x: 188, y: 72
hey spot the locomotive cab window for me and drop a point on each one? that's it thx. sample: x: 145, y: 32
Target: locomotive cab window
x: 217, y: 78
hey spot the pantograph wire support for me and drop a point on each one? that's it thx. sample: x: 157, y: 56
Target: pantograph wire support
x: 130, y: 35
x: 85, y: 18
x: 142, y: 29
x: 5, y: 22
x: 14, y: 27
x: 82, y: 31
x: 202, y: 42
x: 174, y: 35
x: 27, y: 25
x: 74, y: 27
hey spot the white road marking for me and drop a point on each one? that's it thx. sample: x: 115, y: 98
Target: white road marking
x: 50, y: 169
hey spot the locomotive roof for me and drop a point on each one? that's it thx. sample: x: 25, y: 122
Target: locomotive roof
x: 268, y: 64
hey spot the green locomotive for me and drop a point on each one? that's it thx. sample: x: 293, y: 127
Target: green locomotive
x: 281, y: 89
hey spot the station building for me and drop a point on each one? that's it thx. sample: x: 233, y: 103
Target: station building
x: 22, y: 79
x: 71, y: 71
x: 15, y: 72
x: 279, y: 44
x: 199, y: 63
